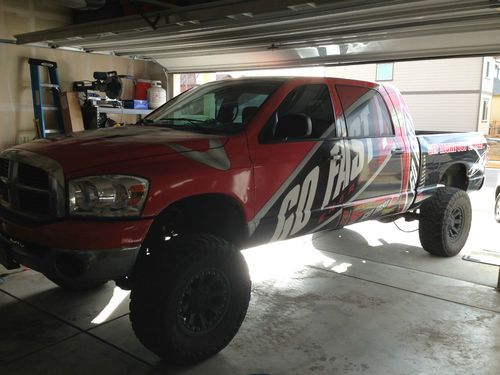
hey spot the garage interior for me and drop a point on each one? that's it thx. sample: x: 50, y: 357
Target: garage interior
x: 363, y: 299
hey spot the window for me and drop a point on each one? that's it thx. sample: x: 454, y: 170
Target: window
x: 223, y: 106
x: 487, y: 73
x: 384, y: 72
x: 313, y: 101
x: 484, y: 110
x: 365, y: 112
x: 248, y: 105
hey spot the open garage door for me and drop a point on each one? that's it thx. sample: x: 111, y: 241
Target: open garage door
x: 231, y: 35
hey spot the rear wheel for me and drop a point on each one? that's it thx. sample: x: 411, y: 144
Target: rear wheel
x: 189, y: 297
x: 445, y: 221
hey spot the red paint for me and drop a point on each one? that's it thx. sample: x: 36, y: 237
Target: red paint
x: 81, y: 234
x: 255, y: 173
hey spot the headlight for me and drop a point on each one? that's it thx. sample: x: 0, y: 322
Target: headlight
x: 107, y: 196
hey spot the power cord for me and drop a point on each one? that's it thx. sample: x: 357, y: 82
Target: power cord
x: 405, y: 231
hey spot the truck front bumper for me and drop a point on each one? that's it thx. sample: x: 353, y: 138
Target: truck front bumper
x: 74, y: 249
x: 81, y: 265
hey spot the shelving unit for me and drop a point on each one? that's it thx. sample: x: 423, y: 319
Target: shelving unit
x: 124, y: 111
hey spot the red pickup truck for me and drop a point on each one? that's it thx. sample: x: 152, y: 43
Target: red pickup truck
x: 164, y: 207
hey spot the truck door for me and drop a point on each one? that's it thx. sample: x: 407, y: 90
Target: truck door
x: 291, y: 161
x: 374, y: 153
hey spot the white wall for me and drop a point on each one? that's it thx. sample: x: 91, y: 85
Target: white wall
x: 438, y: 75
x: 443, y: 94
x: 22, y: 16
x: 444, y: 112
x: 16, y: 105
x: 363, y: 72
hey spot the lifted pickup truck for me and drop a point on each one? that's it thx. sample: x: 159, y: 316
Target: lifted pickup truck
x: 163, y: 208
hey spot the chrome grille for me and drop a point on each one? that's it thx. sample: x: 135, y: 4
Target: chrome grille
x: 31, y: 185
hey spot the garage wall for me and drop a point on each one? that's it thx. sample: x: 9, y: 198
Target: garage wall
x: 442, y: 94
x: 16, y: 106
x: 21, y: 16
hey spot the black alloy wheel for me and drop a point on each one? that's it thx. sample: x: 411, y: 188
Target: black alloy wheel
x: 456, y: 223
x: 445, y: 221
x: 189, y: 297
x: 204, y: 301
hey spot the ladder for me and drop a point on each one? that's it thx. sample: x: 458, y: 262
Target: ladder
x: 38, y: 105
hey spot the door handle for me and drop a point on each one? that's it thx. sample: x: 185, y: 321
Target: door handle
x: 334, y: 157
x: 397, y: 151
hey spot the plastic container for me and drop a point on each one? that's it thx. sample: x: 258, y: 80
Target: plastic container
x: 141, y: 89
x: 135, y: 104
x: 157, y: 96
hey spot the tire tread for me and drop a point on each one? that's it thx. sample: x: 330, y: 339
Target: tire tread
x: 432, y: 220
x: 156, y: 278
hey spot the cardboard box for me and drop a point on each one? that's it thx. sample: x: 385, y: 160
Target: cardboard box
x: 71, y: 112
x: 128, y: 88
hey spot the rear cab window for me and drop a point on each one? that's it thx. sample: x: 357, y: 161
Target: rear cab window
x: 365, y: 112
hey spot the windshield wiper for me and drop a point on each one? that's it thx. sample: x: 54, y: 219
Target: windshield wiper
x: 192, y: 123
x: 191, y: 120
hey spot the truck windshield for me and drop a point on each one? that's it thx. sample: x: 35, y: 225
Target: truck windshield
x: 223, y: 106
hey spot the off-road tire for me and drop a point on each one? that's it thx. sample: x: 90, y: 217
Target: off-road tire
x: 159, y: 292
x: 497, y: 209
x: 445, y: 221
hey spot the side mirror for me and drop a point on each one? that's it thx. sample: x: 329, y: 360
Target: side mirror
x: 293, y: 125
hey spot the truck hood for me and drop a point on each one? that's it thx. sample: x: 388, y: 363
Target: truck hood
x: 77, y: 151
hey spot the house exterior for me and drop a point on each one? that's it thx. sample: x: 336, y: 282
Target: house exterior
x: 443, y: 95
x: 453, y: 95
x: 495, y: 105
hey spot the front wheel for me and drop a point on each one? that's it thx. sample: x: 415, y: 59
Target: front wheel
x: 445, y: 221
x: 190, y: 297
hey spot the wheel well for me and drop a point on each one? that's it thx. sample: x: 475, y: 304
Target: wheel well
x: 497, y: 191
x: 216, y: 214
x: 455, y: 176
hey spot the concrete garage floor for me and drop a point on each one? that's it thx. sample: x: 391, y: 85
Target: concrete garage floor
x: 366, y: 299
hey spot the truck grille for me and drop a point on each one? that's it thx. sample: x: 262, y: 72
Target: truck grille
x: 31, y: 185
x: 36, y: 202
x: 4, y: 192
x: 4, y: 167
x: 33, y: 176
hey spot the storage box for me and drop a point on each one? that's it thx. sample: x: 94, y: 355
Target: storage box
x: 128, y: 88
x: 71, y: 112
x: 135, y: 104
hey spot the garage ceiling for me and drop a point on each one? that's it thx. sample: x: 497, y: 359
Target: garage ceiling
x: 231, y: 35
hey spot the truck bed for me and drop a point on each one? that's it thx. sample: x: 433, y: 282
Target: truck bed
x: 459, y: 155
